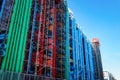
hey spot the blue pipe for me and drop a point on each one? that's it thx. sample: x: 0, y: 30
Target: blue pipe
x: 2, y: 37
x: 32, y: 38
x: 2, y: 8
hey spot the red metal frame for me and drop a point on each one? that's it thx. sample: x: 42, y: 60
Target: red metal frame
x: 40, y: 56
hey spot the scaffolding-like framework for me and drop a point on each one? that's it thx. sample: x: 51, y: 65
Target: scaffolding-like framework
x: 46, y: 41
x: 60, y: 44
x: 81, y: 56
x: 41, y: 40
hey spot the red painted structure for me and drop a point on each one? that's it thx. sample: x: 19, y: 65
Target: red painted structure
x: 43, y: 61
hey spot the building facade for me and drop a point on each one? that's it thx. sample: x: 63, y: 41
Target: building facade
x: 97, y: 60
x: 40, y: 40
x: 108, y: 76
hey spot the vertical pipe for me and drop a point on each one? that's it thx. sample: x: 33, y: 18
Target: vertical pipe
x: 54, y: 46
x: 41, y: 38
x: 67, y: 66
x: 18, y: 50
x: 7, y: 57
x: 2, y: 8
x: 32, y: 38
x: 26, y: 30
x: 17, y: 35
x: 23, y: 36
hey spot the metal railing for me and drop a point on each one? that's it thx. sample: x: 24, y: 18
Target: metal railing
x: 7, y: 75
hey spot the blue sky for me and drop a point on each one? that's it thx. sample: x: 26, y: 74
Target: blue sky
x: 101, y: 19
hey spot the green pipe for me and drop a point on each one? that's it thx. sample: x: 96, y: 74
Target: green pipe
x: 9, y: 51
x: 6, y: 58
x: 17, y: 36
x: 22, y: 9
x: 26, y: 31
x: 67, y: 65
x: 22, y: 38
x: 13, y: 38
x: 12, y: 31
x: 23, y: 35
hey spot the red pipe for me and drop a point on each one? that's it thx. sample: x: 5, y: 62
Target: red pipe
x: 54, y: 46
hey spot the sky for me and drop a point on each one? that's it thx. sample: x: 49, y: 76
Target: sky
x: 101, y: 19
